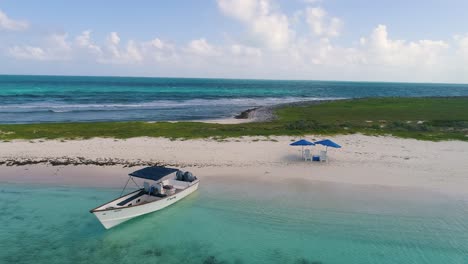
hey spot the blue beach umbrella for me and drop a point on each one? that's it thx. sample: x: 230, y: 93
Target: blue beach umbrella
x: 327, y: 143
x: 302, y: 143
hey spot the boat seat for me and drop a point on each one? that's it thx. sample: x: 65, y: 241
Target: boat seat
x: 140, y: 193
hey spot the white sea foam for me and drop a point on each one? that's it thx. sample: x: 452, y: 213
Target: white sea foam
x: 159, y: 104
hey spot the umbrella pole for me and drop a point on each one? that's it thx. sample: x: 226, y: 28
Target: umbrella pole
x: 302, y: 152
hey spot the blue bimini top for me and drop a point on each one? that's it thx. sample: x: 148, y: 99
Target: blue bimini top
x: 154, y: 173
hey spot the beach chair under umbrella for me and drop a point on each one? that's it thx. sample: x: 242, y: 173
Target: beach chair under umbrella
x: 302, y: 143
x: 327, y: 143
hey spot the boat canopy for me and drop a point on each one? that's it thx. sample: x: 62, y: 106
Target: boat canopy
x: 154, y: 173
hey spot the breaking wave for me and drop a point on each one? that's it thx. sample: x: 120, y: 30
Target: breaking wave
x: 158, y: 104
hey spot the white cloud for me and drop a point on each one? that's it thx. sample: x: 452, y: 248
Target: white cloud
x: 243, y: 10
x: 202, y: 48
x: 27, y: 52
x: 84, y: 40
x: 159, y: 50
x: 321, y: 24
x: 113, y: 38
x: 462, y: 45
x: 113, y: 53
x: 133, y: 51
x: 7, y: 23
x: 269, y: 27
x: 157, y: 43
x: 274, y: 47
x: 383, y: 50
x: 139, y: 52
x: 335, y: 27
x: 315, y: 18
x: 56, y: 47
x: 241, y: 50
x: 59, y: 42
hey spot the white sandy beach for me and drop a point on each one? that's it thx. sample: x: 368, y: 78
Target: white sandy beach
x: 382, y: 161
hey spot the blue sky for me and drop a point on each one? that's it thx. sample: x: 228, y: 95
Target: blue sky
x: 421, y: 41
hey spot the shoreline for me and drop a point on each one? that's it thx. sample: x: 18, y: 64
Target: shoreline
x: 227, y: 147
x: 363, y: 160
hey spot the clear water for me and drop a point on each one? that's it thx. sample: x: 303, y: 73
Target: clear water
x: 238, y: 223
x: 30, y: 99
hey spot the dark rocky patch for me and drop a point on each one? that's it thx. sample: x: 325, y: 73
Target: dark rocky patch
x: 245, y: 114
x: 306, y: 261
x: 267, y: 113
x: 156, y: 252
x: 212, y: 260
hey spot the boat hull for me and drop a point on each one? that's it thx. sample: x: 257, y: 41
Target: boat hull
x: 111, y: 218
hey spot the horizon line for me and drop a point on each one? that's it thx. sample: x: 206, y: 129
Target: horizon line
x: 227, y: 78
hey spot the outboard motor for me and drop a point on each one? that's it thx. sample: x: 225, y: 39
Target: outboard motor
x: 188, y: 176
x: 180, y: 175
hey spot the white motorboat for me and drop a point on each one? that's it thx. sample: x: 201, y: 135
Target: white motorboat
x: 161, y: 187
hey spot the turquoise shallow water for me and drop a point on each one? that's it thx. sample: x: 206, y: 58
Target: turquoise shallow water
x: 32, y: 99
x: 238, y: 223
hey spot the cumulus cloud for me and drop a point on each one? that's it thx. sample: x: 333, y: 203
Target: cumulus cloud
x: 7, y: 23
x: 202, y: 47
x: 159, y: 50
x: 243, y: 10
x: 267, y: 26
x: 113, y: 52
x: 56, y: 47
x: 85, y: 41
x: 157, y: 43
x: 462, y: 45
x: 241, y: 50
x: 27, y: 52
x: 133, y: 52
x: 113, y: 38
x: 383, y: 50
x: 275, y: 47
x: 59, y: 42
x: 321, y: 24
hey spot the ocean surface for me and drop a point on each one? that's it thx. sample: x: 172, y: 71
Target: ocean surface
x: 32, y: 99
x: 238, y: 222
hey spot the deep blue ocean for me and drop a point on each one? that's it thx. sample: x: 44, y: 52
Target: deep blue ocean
x: 31, y: 99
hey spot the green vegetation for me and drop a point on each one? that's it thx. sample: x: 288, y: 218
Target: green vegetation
x: 420, y: 118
